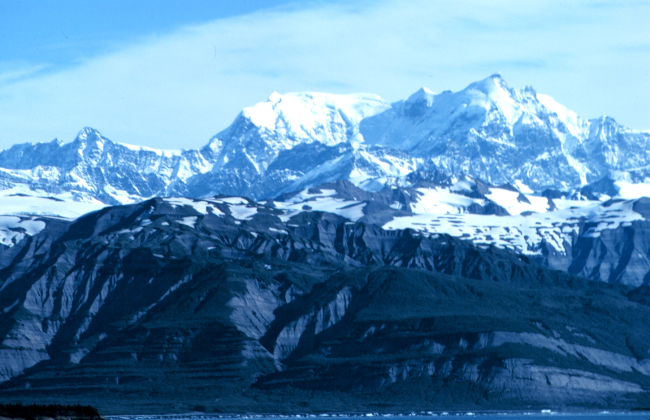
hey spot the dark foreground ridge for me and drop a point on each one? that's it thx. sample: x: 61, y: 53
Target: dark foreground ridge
x: 52, y: 411
x: 160, y: 308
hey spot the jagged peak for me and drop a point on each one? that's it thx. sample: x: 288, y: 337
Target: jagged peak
x: 89, y: 134
x: 490, y: 85
x: 423, y: 94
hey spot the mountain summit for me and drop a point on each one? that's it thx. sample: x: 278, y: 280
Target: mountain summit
x: 503, y: 135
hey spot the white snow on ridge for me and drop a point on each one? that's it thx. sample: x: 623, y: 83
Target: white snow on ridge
x: 442, y: 201
x: 20, y: 213
x: 509, y: 200
x: 199, y: 205
x: 242, y: 209
x: 522, y: 233
x: 159, y: 152
x: 188, y: 221
x: 352, y: 210
x: 627, y: 190
x: 46, y: 206
x: 572, y: 121
x: 322, y: 200
x: 310, y: 115
x: 305, y: 195
x: 14, y: 228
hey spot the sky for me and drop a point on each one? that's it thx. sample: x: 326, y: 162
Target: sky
x: 171, y: 75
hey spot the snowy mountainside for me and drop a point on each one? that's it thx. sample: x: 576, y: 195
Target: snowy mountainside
x: 261, y: 154
x: 249, y: 307
x: 93, y: 168
x: 298, y: 140
x: 601, y: 240
x: 503, y: 135
x: 23, y: 215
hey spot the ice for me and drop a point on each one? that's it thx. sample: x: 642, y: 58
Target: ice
x: 199, y: 205
x: 442, y: 201
x: 46, y: 206
x: 509, y: 200
x: 14, y: 228
x: 523, y: 233
x: 188, y: 221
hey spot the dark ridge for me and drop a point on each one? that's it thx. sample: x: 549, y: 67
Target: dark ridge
x: 508, y: 187
x: 56, y: 411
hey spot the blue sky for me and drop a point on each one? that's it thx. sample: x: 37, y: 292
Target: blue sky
x: 172, y: 74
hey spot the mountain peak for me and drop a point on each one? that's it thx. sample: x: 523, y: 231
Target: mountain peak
x: 423, y: 94
x: 89, y: 134
x: 490, y: 86
x: 275, y: 97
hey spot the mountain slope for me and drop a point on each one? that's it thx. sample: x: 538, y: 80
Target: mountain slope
x: 502, y: 135
x: 238, y: 306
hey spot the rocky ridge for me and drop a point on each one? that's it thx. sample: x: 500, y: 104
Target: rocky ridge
x: 236, y: 306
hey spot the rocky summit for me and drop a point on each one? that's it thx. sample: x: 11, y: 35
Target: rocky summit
x: 485, y: 249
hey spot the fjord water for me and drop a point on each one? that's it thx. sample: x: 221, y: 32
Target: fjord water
x: 533, y: 415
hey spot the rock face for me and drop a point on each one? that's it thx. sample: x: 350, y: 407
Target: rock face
x: 603, y: 241
x: 619, y: 254
x: 93, y: 168
x: 503, y: 135
x: 232, y: 305
x: 294, y: 141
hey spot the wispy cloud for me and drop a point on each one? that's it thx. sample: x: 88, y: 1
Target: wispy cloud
x: 12, y: 72
x: 178, y: 89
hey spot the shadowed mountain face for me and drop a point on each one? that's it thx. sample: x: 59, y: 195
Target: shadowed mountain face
x: 234, y: 306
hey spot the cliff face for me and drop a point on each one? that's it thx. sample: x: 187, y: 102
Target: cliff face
x: 234, y: 306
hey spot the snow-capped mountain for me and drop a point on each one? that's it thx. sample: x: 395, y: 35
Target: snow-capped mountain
x: 95, y: 169
x: 503, y: 135
x: 297, y: 140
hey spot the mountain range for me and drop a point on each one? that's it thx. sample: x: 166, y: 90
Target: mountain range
x: 475, y: 250
x: 293, y: 141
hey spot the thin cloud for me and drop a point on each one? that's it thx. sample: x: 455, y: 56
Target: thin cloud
x: 179, y: 89
x: 13, y: 72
